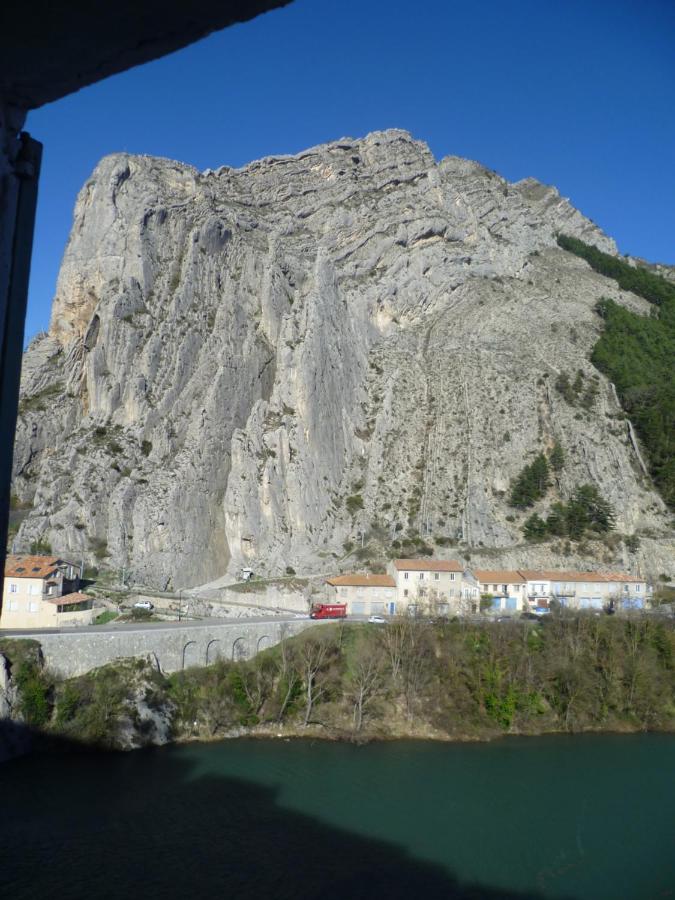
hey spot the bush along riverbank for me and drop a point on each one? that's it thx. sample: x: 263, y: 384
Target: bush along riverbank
x: 452, y: 681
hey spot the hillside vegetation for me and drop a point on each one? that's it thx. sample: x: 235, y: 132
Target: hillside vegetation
x: 636, y: 353
x: 452, y: 680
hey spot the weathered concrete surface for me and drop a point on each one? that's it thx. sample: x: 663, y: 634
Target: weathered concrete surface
x: 172, y: 649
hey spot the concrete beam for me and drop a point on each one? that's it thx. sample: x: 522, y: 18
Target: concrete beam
x: 48, y: 50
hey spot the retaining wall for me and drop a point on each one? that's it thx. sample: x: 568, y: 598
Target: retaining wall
x: 172, y: 648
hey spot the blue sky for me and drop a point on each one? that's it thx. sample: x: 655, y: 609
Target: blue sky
x: 579, y: 94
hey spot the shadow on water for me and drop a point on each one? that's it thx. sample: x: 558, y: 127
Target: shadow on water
x: 76, y: 823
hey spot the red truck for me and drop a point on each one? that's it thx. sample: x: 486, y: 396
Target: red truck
x: 328, y: 611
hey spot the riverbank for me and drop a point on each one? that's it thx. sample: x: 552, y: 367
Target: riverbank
x: 353, y: 682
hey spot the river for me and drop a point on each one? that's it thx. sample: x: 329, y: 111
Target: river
x: 562, y: 817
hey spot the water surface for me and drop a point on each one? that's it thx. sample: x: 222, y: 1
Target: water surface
x: 561, y: 817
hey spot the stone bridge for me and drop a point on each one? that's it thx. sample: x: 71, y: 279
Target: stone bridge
x: 171, y: 647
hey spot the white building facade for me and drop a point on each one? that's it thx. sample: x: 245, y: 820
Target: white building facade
x: 442, y: 587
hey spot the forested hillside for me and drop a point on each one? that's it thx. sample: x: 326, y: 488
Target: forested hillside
x: 454, y: 680
x: 637, y: 353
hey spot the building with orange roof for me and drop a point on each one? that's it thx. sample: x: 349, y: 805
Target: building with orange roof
x: 364, y: 594
x: 437, y: 586
x: 506, y: 588
x: 40, y: 592
x: 586, y: 590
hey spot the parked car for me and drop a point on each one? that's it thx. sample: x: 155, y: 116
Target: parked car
x: 143, y: 604
x: 377, y: 620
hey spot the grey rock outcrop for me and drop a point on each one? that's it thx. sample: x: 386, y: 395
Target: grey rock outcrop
x: 254, y: 366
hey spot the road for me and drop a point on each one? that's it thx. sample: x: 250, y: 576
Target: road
x: 158, y: 626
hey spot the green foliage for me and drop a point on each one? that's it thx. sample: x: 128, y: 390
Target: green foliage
x: 146, y: 448
x: 99, y: 546
x: 290, y: 570
x: 631, y: 278
x: 636, y: 353
x: 563, y: 386
x: 34, y: 693
x: 354, y: 503
x: 535, y: 529
x: 91, y: 708
x: 571, y: 672
x: 556, y: 458
x: 40, y: 401
x: 531, y: 483
x: 587, y: 512
x: 632, y: 542
x: 40, y: 547
x: 107, y: 616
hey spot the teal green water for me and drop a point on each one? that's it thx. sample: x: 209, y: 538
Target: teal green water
x: 568, y: 817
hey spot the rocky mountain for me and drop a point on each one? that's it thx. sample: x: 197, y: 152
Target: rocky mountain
x: 267, y: 365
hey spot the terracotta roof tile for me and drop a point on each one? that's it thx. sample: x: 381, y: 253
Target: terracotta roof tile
x: 19, y: 566
x: 68, y: 599
x: 504, y: 575
x: 362, y: 580
x: 598, y: 577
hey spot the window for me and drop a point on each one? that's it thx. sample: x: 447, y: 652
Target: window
x: 494, y: 588
x: 421, y: 576
x: 405, y: 575
x: 452, y: 576
x: 436, y: 576
x: 33, y: 606
x: 13, y: 603
x: 12, y: 589
x: 405, y: 592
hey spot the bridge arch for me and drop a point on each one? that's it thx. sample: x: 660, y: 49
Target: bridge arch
x: 263, y: 643
x: 240, y: 649
x: 213, y: 651
x: 188, y: 653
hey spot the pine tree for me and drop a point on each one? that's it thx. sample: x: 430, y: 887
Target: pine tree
x: 531, y: 483
x: 557, y: 457
x: 534, y: 528
x: 556, y: 522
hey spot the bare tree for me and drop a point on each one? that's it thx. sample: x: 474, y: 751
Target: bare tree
x: 257, y: 679
x: 289, y: 674
x: 365, y: 681
x: 395, y: 638
x: 313, y: 655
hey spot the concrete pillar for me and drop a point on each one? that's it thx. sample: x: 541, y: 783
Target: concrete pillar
x: 20, y: 158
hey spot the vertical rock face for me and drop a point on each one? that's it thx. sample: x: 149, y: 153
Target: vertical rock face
x: 253, y: 366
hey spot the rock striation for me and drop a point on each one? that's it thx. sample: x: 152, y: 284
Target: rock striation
x: 256, y: 366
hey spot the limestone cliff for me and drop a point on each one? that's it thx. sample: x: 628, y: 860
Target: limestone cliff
x: 253, y: 366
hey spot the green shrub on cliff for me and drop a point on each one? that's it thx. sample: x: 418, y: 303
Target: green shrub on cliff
x: 636, y: 353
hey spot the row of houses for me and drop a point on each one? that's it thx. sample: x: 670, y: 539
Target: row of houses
x: 42, y: 592
x: 445, y: 587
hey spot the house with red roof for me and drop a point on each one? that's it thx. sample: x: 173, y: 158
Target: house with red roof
x: 41, y: 592
x: 364, y: 594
